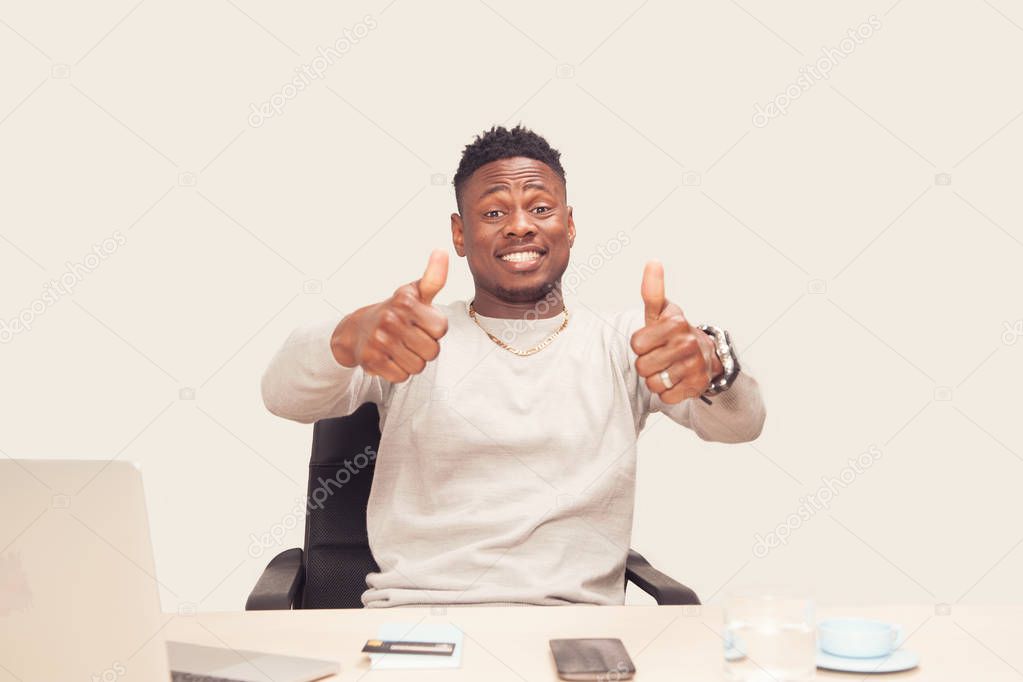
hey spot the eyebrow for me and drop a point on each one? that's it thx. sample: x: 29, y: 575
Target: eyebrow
x: 532, y: 184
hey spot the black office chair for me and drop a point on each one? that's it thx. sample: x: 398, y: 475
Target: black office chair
x: 331, y: 572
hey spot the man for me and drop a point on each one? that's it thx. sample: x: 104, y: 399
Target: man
x: 506, y: 467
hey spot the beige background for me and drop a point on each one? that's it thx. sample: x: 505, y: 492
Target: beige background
x: 864, y: 248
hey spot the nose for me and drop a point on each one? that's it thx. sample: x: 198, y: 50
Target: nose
x: 520, y: 224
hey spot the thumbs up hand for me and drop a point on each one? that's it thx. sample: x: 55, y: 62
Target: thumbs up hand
x: 668, y: 348
x: 395, y: 338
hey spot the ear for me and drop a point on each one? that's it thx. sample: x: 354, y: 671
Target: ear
x: 571, y: 228
x: 457, y: 234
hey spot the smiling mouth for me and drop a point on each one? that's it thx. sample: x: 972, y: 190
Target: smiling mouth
x: 522, y: 256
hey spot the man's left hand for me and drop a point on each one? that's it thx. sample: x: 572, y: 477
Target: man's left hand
x: 668, y: 343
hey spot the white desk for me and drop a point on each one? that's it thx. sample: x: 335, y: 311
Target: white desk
x: 666, y: 643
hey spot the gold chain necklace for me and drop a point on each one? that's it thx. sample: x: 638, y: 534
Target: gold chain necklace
x: 528, y: 351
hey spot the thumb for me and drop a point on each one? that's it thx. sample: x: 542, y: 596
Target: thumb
x: 652, y: 290
x: 435, y: 276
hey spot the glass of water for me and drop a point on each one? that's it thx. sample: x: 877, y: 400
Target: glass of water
x: 769, y: 638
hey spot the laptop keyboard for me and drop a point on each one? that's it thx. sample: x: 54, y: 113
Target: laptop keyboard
x: 190, y: 677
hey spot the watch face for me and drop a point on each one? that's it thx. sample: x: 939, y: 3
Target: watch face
x: 729, y: 362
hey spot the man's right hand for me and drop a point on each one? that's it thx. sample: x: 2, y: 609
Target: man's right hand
x: 395, y: 338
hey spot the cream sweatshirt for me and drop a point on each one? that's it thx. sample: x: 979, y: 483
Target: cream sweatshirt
x: 499, y: 478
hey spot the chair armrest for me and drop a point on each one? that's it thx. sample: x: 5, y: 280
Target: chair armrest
x: 280, y: 583
x: 662, y: 588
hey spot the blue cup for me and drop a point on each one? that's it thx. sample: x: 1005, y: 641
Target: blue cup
x: 858, y: 637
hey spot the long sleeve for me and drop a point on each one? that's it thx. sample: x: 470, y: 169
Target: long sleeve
x: 304, y: 382
x: 736, y: 416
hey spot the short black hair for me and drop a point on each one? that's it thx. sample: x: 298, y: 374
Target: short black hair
x: 501, y: 143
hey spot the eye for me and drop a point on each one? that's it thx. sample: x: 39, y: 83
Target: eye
x: 492, y: 214
x: 542, y: 209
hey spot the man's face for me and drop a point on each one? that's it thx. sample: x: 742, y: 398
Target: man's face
x: 515, y: 228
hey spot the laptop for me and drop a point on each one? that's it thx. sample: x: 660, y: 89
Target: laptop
x: 79, y: 597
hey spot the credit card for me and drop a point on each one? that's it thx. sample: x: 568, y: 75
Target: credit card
x: 381, y: 646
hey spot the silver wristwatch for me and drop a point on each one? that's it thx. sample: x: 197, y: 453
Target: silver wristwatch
x: 726, y: 354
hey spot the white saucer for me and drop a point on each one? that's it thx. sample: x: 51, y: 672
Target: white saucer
x: 894, y: 662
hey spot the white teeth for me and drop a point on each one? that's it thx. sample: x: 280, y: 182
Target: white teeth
x: 521, y: 256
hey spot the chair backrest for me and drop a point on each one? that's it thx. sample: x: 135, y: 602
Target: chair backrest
x: 337, y: 556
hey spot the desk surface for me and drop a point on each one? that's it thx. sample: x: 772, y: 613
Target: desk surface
x: 666, y: 643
